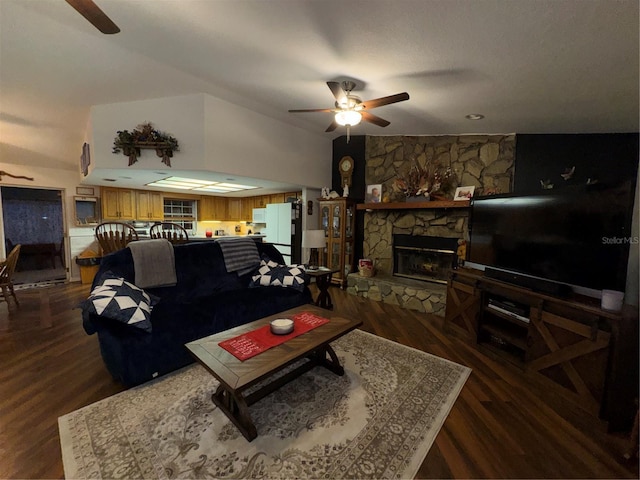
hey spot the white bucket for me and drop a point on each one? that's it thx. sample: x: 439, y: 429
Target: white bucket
x: 612, y: 300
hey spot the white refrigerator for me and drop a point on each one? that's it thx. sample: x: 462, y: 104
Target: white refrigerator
x: 283, y: 230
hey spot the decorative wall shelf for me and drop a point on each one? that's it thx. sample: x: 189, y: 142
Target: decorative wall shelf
x: 414, y: 205
x: 144, y: 136
x: 164, y: 150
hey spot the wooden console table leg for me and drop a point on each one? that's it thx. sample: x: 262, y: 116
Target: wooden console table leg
x: 235, y: 407
x: 324, y: 299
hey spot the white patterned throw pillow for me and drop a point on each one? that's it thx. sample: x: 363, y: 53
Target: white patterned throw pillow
x: 271, y: 274
x: 119, y: 300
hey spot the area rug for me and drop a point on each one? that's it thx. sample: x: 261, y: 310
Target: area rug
x: 377, y: 421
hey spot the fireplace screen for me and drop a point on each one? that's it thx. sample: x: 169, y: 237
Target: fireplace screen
x: 424, y: 258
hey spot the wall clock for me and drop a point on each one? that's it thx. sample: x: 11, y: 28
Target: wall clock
x: 346, y: 170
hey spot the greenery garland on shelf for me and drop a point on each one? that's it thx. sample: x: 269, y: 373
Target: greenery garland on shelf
x: 144, y: 136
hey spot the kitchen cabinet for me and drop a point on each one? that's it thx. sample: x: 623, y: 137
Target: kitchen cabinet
x: 212, y: 208
x: 247, y: 209
x: 149, y: 205
x: 261, y: 201
x: 288, y: 195
x: 234, y: 209
x: 276, y: 198
x: 337, y: 219
x: 118, y: 204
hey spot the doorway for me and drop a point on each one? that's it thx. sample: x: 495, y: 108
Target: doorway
x: 34, y: 218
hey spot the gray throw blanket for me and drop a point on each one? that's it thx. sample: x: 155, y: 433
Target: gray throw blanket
x: 154, y: 263
x: 240, y: 254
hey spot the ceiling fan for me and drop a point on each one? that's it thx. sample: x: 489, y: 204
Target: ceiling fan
x: 96, y: 17
x: 350, y: 109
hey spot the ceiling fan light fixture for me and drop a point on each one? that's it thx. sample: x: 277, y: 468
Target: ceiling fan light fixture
x: 348, y: 117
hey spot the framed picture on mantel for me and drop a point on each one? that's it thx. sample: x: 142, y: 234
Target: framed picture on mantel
x: 374, y: 193
x: 464, y: 193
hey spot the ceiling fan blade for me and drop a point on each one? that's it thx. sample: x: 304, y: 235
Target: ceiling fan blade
x: 312, y: 110
x: 332, y: 127
x: 96, y: 17
x: 369, y: 117
x: 378, y: 102
x: 338, y: 92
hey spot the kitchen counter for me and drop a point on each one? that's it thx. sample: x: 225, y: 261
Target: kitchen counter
x: 202, y: 238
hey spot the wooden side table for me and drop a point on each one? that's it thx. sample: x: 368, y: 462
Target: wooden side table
x: 323, y: 281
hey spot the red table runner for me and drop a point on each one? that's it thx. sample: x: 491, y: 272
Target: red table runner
x: 257, y: 341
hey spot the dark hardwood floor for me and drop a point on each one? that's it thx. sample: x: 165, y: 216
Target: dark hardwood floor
x: 503, y: 425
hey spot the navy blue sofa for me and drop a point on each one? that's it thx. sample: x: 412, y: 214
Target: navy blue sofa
x: 205, y: 300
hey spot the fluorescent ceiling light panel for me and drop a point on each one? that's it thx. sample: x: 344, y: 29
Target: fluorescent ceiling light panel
x: 188, y: 180
x: 217, y: 188
x: 236, y: 186
x: 199, y: 185
x: 174, y: 184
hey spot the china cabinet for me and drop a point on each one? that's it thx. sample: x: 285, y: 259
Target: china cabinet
x: 337, y: 219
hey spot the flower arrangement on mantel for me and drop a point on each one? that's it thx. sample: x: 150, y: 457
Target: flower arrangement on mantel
x: 145, y: 136
x: 424, y: 183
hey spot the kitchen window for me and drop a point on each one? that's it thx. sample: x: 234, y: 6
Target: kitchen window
x: 182, y: 212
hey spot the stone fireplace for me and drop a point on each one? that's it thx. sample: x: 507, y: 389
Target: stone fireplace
x: 383, y: 229
x: 484, y: 161
x: 424, y: 258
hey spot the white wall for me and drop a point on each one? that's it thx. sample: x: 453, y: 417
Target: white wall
x: 242, y: 142
x: 217, y: 136
x: 181, y: 117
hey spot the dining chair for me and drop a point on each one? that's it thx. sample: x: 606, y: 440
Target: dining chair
x: 7, y: 267
x: 171, y: 231
x: 114, y: 236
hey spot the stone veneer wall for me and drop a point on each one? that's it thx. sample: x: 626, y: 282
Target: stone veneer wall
x: 484, y: 161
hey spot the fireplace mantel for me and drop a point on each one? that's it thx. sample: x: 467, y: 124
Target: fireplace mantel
x: 414, y: 205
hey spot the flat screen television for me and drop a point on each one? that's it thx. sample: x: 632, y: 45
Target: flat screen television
x: 574, y: 237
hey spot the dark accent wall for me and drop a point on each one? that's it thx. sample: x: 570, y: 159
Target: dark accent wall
x: 611, y: 159
x: 356, y: 150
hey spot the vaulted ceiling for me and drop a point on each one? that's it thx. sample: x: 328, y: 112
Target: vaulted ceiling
x: 541, y: 66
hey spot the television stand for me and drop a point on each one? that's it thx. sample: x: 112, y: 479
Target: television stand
x: 569, y: 345
x: 525, y: 281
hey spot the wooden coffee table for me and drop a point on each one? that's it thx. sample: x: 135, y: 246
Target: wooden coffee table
x: 236, y: 376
